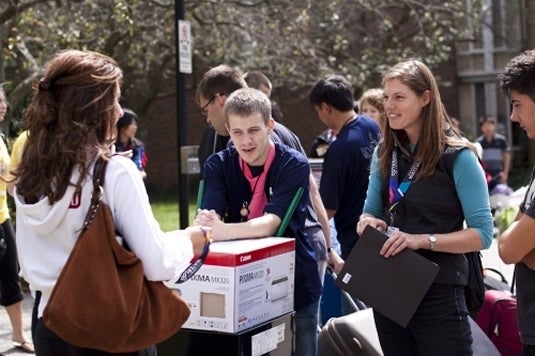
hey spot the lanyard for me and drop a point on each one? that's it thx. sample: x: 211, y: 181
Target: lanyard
x: 194, y: 267
x: 397, y: 190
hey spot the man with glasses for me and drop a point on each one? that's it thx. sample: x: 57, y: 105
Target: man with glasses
x: 217, y: 84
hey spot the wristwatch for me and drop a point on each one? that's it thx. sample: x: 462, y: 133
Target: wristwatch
x: 432, y: 241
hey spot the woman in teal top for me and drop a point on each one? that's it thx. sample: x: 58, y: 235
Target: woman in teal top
x: 429, y: 193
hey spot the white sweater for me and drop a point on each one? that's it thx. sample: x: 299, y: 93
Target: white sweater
x: 47, y: 233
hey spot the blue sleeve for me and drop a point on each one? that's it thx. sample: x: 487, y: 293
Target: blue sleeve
x: 215, y: 189
x: 293, y: 173
x: 373, y: 204
x: 473, y: 194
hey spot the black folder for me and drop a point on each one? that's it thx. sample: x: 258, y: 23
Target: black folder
x: 393, y: 286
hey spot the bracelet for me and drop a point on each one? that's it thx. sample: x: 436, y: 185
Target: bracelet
x: 207, y: 233
x: 194, y: 266
x: 330, y: 249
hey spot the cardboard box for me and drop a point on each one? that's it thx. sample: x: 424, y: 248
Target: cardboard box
x: 242, y: 284
x: 274, y: 338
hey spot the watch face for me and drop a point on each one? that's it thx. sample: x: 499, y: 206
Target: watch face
x: 432, y: 238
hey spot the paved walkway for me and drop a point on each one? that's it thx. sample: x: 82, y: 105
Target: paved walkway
x: 6, y: 347
x: 490, y: 259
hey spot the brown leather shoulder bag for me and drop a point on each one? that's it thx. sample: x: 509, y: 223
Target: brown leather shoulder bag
x: 102, y: 299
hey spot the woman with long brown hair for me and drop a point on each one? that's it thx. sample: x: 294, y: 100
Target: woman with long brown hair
x: 425, y: 183
x: 71, y: 122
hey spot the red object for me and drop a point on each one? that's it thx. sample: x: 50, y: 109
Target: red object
x: 498, y: 319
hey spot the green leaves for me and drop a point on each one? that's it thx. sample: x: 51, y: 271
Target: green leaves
x: 294, y: 42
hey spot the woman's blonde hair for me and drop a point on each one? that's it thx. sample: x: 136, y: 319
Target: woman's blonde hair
x: 374, y: 97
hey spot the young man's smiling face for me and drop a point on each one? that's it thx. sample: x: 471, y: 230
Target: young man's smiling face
x: 250, y: 136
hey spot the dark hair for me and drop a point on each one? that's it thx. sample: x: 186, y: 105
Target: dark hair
x: 128, y: 117
x: 519, y: 75
x: 256, y: 79
x: 71, y: 119
x: 221, y: 79
x: 488, y: 119
x: 334, y: 90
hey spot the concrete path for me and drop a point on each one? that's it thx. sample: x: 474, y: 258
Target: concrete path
x: 6, y: 347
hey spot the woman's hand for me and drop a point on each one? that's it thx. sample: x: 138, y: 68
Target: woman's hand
x: 367, y: 219
x: 397, y: 241
x: 197, y: 238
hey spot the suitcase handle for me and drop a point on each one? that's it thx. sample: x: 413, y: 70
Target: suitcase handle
x: 354, y: 303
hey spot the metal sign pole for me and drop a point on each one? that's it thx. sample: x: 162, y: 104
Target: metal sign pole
x: 181, y: 120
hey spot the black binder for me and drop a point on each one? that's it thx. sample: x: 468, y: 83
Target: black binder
x: 393, y: 286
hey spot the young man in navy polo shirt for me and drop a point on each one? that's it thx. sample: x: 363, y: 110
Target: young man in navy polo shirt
x: 249, y: 188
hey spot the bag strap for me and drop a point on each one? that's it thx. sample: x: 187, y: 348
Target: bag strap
x: 513, y: 280
x: 99, y: 171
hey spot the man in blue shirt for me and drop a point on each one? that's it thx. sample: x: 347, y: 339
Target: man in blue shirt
x: 346, y: 165
x: 249, y: 188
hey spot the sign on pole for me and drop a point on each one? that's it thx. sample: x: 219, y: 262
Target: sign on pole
x: 184, y: 46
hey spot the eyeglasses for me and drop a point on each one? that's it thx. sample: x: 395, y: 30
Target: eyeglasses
x: 203, y: 109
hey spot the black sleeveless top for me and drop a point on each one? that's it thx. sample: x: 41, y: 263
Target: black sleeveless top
x: 431, y: 206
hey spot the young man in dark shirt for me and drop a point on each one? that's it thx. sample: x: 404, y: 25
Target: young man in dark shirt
x: 248, y: 189
x: 517, y: 243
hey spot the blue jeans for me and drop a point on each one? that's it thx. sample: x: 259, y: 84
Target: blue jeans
x: 439, y: 326
x: 306, y: 330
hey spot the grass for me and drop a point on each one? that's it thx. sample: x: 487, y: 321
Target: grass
x: 167, y: 213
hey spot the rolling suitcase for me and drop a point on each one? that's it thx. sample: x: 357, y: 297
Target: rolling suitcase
x: 355, y: 334
x: 494, y: 280
x: 498, y: 319
x: 350, y: 335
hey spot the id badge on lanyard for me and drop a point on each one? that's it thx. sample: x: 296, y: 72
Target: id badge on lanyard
x: 397, y: 190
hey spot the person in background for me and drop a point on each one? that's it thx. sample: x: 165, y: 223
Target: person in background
x: 127, y: 141
x: 248, y: 189
x: 345, y: 171
x: 215, y: 85
x: 11, y: 297
x: 517, y: 243
x: 371, y: 105
x: 496, y: 152
x: 425, y: 182
x: 258, y: 80
x: 72, y: 121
